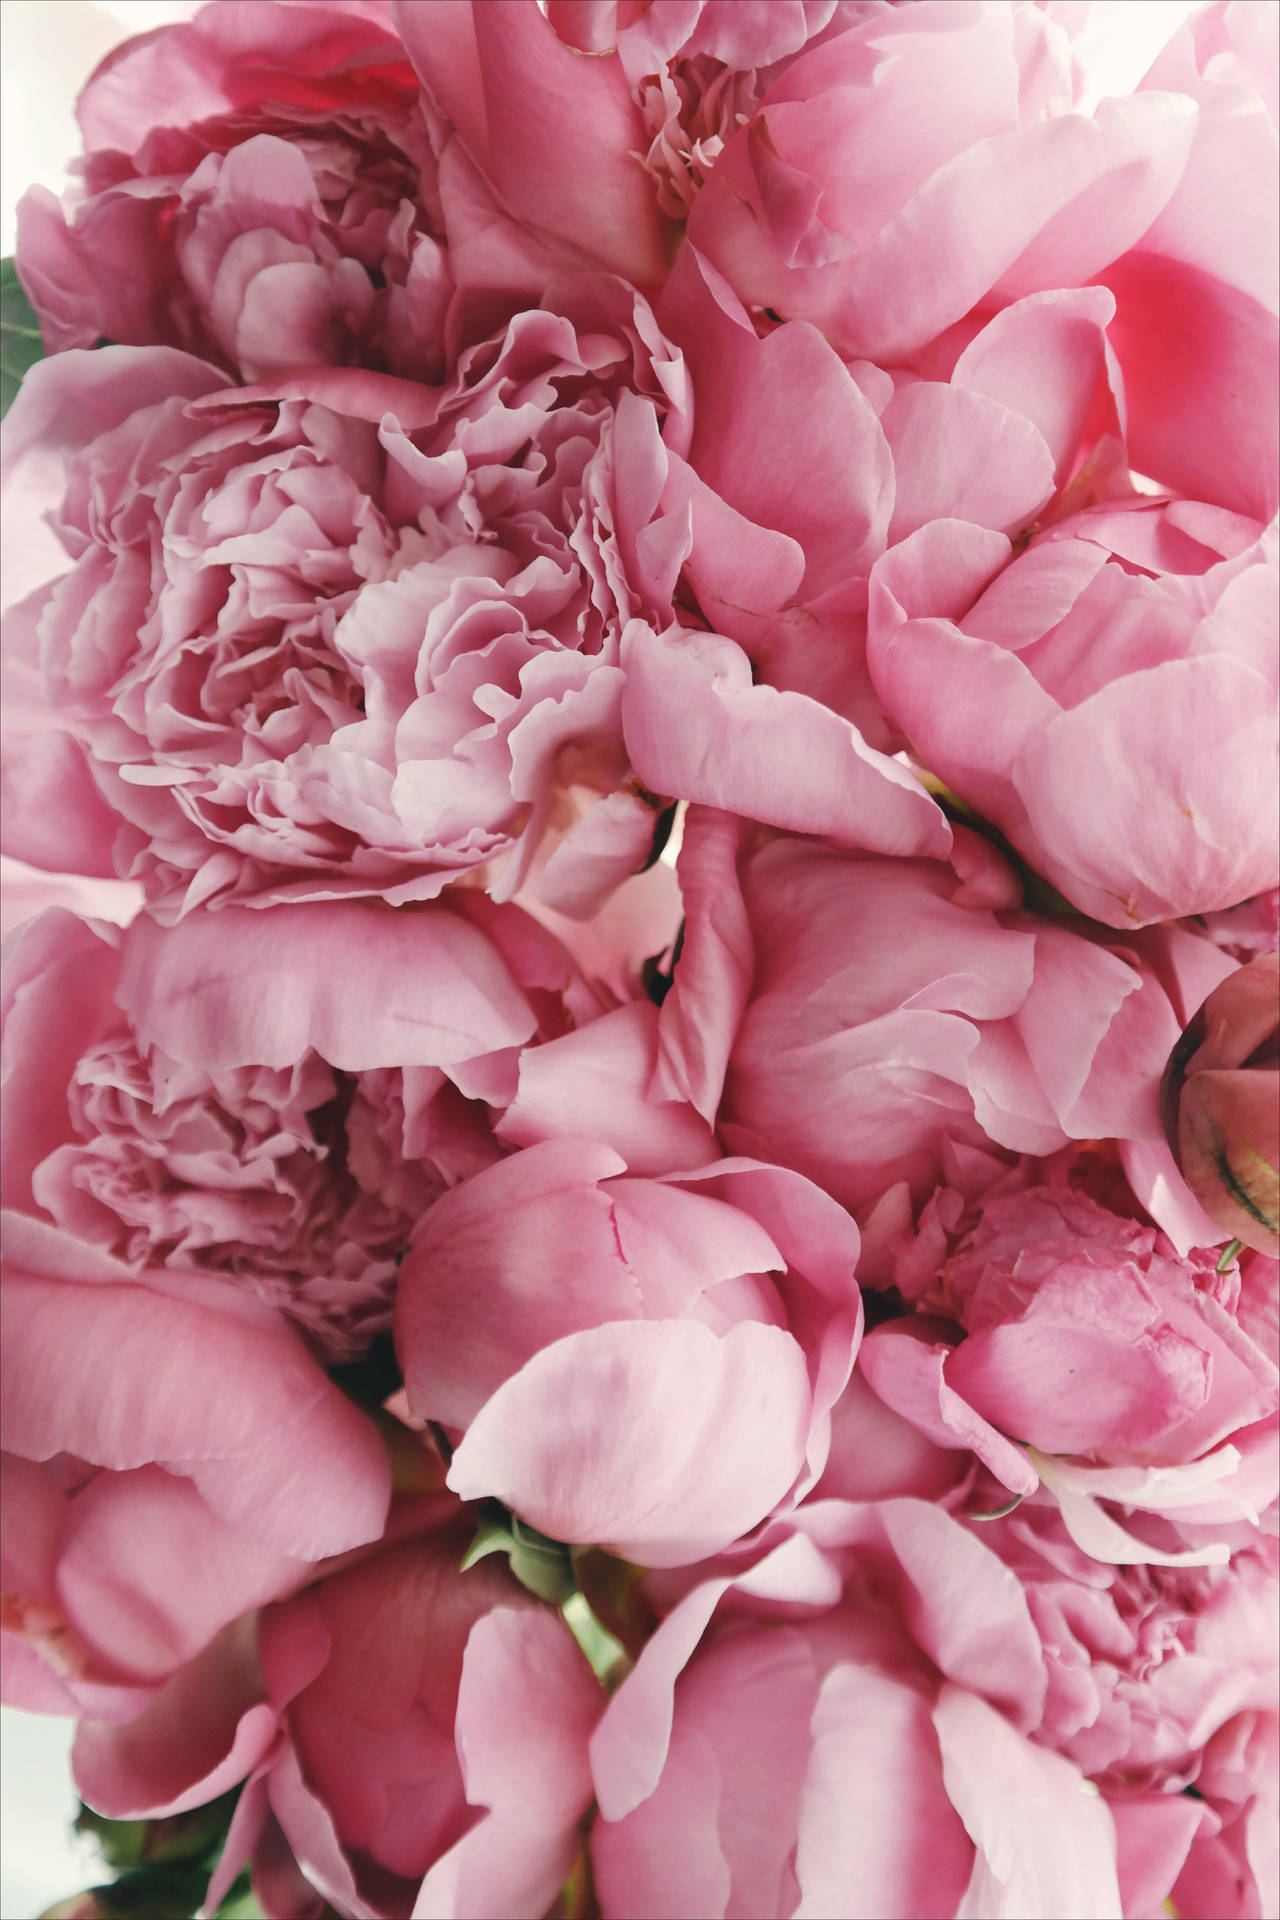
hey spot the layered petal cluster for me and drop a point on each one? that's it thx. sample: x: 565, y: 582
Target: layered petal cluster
x: 257, y: 187
x: 640, y: 1139
x: 645, y: 1363
x: 1129, y: 656
x: 341, y: 634
x: 210, y: 1099
x: 852, y: 1016
x: 819, y: 1731
x: 1045, y: 1318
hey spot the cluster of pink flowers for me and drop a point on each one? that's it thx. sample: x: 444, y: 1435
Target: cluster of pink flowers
x: 483, y: 446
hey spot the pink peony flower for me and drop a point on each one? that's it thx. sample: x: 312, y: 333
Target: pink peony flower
x: 649, y: 1364
x: 1045, y: 1318
x: 841, y: 1726
x: 148, y: 1512
x: 939, y: 133
x: 257, y: 187
x: 381, y: 649
x: 1129, y: 656
x: 1221, y: 1098
x: 1160, y: 1680
x: 851, y: 1016
x: 212, y: 1099
x: 800, y: 472
x: 409, y: 1736
x: 431, y: 1754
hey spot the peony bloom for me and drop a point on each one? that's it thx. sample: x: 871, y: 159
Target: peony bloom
x: 257, y: 187
x: 144, y: 1512
x: 431, y: 1754
x: 410, y: 1737
x: 345, y: 634
x: 646, y: 1363
x: 1133, y: 1376
x: 1221, y: 1097
x: 1129, y: 655
x: 840, y: 1726
x: 850, y: 1016
x: 211, y: 1100
x: 1162, y: 1680
x: 936, y: 132
x: 801, y: 472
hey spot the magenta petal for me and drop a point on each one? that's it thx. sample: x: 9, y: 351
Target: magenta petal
x: 654, y: 1438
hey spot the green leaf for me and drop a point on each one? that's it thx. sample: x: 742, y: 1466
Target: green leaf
x: 606, y: 1654
x: 538, y: 1563
x: 20, y: 342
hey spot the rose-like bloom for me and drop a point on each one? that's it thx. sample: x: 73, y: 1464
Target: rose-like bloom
x: 850, y: 1016
x: 1107, y: 699
x: 257, y: 187
x: 1221, y: 1096
x: 213, y: 1098
x: 345, y: 634
x: 840, y: 1727
x: 645, y: 1363
x: 1076, y: 1331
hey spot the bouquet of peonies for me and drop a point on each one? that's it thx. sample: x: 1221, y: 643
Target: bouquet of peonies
x: 548, y: 1375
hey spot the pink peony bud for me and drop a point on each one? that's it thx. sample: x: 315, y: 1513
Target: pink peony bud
x: 1221, y: 1104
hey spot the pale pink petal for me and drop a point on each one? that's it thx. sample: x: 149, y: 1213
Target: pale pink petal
x: 1045, y: 1838
x: 877, y: 1833
x: 766, y: 754
x: 203, y: 1732
x: 655, y: 1438
x: 595, y: 1082
x: 278, y: 1451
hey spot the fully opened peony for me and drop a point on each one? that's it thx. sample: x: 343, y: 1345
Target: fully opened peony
x: 841, y: 1726
x: 345, y: 634
x: 209, y: 1099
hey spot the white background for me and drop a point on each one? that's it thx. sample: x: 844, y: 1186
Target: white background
x: 47, y: 49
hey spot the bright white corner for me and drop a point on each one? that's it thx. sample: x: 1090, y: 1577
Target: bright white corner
x: 41, y: 1859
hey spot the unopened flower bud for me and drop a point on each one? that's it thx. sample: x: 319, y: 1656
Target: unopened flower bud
x: 1220, y: 1101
